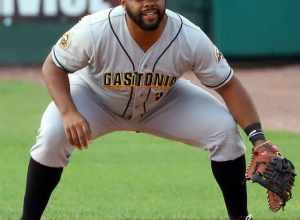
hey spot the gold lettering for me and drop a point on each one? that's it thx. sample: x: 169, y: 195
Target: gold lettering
x: 148, y: 79
x: 128, y: 79
x: 142, y: 80
x: 107, y: 79
x: 166, y: 80
x: 138, y: 77
x: 173, y: 81
x: 117, y: 79
x: 159, y: 79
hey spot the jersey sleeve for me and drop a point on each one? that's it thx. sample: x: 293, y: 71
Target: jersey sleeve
x: 73, y: 50
x: 209, y: 65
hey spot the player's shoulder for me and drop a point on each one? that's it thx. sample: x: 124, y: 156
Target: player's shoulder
x: 190, y: 32
x: 191, y: 35
x: 103, y: 16
x: 180, y: 19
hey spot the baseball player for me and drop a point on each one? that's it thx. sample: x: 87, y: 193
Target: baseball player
x: 120, y: 69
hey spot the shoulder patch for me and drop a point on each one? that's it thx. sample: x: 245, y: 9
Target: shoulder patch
x: 219, y: 55
x: 65, y: 41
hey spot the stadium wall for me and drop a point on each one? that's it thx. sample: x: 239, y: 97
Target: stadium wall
x: 257, y: 28
x: 29, y: 28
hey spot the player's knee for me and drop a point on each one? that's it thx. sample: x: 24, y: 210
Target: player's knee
x: 228, y: 144
x: 51, y: 147
x: 53, y: 136
x: 227, y: 124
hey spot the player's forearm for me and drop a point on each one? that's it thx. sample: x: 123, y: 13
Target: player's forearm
x: 239, y: 103
x: 58, y: 86
x: 243, y: 110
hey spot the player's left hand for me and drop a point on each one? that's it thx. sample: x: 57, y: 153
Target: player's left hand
x: 274, y: 172
x: 77, y: 129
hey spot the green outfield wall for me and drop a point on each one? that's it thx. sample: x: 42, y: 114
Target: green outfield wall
x: 29, y: 28
x: 29, y: 42
x: 257, y: 28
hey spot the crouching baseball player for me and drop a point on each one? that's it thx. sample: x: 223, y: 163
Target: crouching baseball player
x: 126, y: 64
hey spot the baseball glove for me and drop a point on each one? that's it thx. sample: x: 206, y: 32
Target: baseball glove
x: 274, y: 172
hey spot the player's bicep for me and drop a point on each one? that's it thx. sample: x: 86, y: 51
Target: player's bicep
x: 73, y: 50
x: 210, y: 66
x: 49, y: 67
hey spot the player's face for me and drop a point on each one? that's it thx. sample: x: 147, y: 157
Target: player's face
x: 147, y: 14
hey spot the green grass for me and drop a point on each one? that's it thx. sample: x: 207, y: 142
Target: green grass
x: 122, y: 175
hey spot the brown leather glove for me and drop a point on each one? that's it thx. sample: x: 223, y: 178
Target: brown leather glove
x: 274, y: 172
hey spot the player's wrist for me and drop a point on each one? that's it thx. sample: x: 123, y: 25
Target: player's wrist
x: 255, y: 133
x: 67, y: 109
x: 260, y: 143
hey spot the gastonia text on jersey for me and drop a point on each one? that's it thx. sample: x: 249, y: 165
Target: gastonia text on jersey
x: 141, y: 80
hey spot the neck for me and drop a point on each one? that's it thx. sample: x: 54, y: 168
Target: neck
x: 145, y: 39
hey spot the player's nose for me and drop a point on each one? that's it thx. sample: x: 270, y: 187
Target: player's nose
x: 150, y: 3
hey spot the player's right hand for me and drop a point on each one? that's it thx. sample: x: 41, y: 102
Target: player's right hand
x: 77, y: 129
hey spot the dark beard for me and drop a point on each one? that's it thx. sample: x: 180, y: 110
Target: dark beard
x: 138, y: 20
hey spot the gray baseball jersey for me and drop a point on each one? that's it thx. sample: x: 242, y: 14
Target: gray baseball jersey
x: 105, y: 55
x: 118, y: 86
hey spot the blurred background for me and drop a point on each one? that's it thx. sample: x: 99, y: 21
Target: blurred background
x: 241, y: 29
x: 259, y: 38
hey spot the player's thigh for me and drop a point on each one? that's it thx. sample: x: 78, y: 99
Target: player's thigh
x: 193, y: 116
x: 51, y: 147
